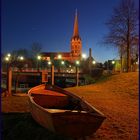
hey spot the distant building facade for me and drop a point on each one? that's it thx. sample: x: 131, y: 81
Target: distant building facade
x: 75, y: 47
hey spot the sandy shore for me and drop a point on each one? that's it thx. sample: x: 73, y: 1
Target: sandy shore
x: 117, y: 98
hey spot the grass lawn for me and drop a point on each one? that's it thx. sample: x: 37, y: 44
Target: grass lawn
x: 116, y: 97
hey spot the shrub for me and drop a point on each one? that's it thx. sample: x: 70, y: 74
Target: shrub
x: 89, y: 79
x: 96, y: 73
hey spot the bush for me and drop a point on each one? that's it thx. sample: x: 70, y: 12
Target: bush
x: 89, y: 79
x: 96, y: 73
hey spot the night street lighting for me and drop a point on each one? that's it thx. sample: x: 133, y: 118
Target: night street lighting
x: 113, y: 62
x: 11, y: 62
x: 62, y: 62
x: 9, y: 55
x: 49, y: 62
x: 94, y: 62
x: 59, y: 56
x: 77, y: 62
x: 52, y: 71
x: 77, y: 72
x: 21, y: 58
x: 7, y: 59
x: 84, y: 56
x: 38, y: 57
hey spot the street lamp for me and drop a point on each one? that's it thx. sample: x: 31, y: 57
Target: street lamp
x: 52, y: 71
x: 7, y: 59
x: 21, y: 58
x: 11, y: 62
x: 38, y: 59
x: 94, y: 62
x: 62, y: 62
x: 63, y: 65
x: 84, y: 56
x: 77, y: 63
x: 9, y: 73
x: 9, y: 55
x: 77, y: 72
x: 113, y: 63
x: 49, y: 62
x: 59, y: 56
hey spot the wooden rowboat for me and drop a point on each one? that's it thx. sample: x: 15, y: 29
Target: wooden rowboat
x: 63, y: 112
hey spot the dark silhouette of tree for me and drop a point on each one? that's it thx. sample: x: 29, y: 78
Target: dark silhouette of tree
x: 123, y: 29
x: 36, y: 49
x: 20, y: 52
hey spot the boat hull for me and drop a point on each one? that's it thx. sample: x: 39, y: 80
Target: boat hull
x: 72, y: 123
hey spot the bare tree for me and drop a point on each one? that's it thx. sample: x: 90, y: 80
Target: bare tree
x: 36, y: 49
x: 123, y: 29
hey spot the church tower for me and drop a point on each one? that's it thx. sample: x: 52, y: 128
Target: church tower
x: 76, y: 43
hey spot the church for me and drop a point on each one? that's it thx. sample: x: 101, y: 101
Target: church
x: 75, y: 47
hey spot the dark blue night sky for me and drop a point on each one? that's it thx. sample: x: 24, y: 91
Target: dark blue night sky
x: 50, y: 22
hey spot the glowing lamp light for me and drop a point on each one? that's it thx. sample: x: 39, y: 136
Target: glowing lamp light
x: 93, y: 62
x: 9, y: 55
x: 62, y: 62
x: 59, y: 56
x: 21, y: 58
x: 84, y: 56
x: 38, y: 57
x: 113, y: 62
x: 7, y: 58
x: 77, y: 62
x: 49, y: 63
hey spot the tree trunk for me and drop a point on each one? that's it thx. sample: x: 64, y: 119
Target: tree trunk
x: 121, y: 53
x: 121, y: 64
x: 128, y: 48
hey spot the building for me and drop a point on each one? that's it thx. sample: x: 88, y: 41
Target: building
x: 75, y: 47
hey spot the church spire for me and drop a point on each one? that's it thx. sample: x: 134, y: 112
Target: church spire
x: 76, y: 42
x: 75, y: 31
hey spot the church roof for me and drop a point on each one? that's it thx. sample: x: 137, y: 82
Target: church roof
x: 55, y: 54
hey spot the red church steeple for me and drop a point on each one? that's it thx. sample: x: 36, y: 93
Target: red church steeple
x: 76, y: 44
x: 75, y: 31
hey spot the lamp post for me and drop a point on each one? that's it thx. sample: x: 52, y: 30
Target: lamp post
x: 63, y: 63
x: 59, y: 57
x: 38, y: 59
x: 9, y: 74
x: 11, y: 62
x: 52, y: 72
x: 77, y: 73
x: 113, y: 63
x: 93, y: 62
x: 84, y: 56
x: 19, y: 60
